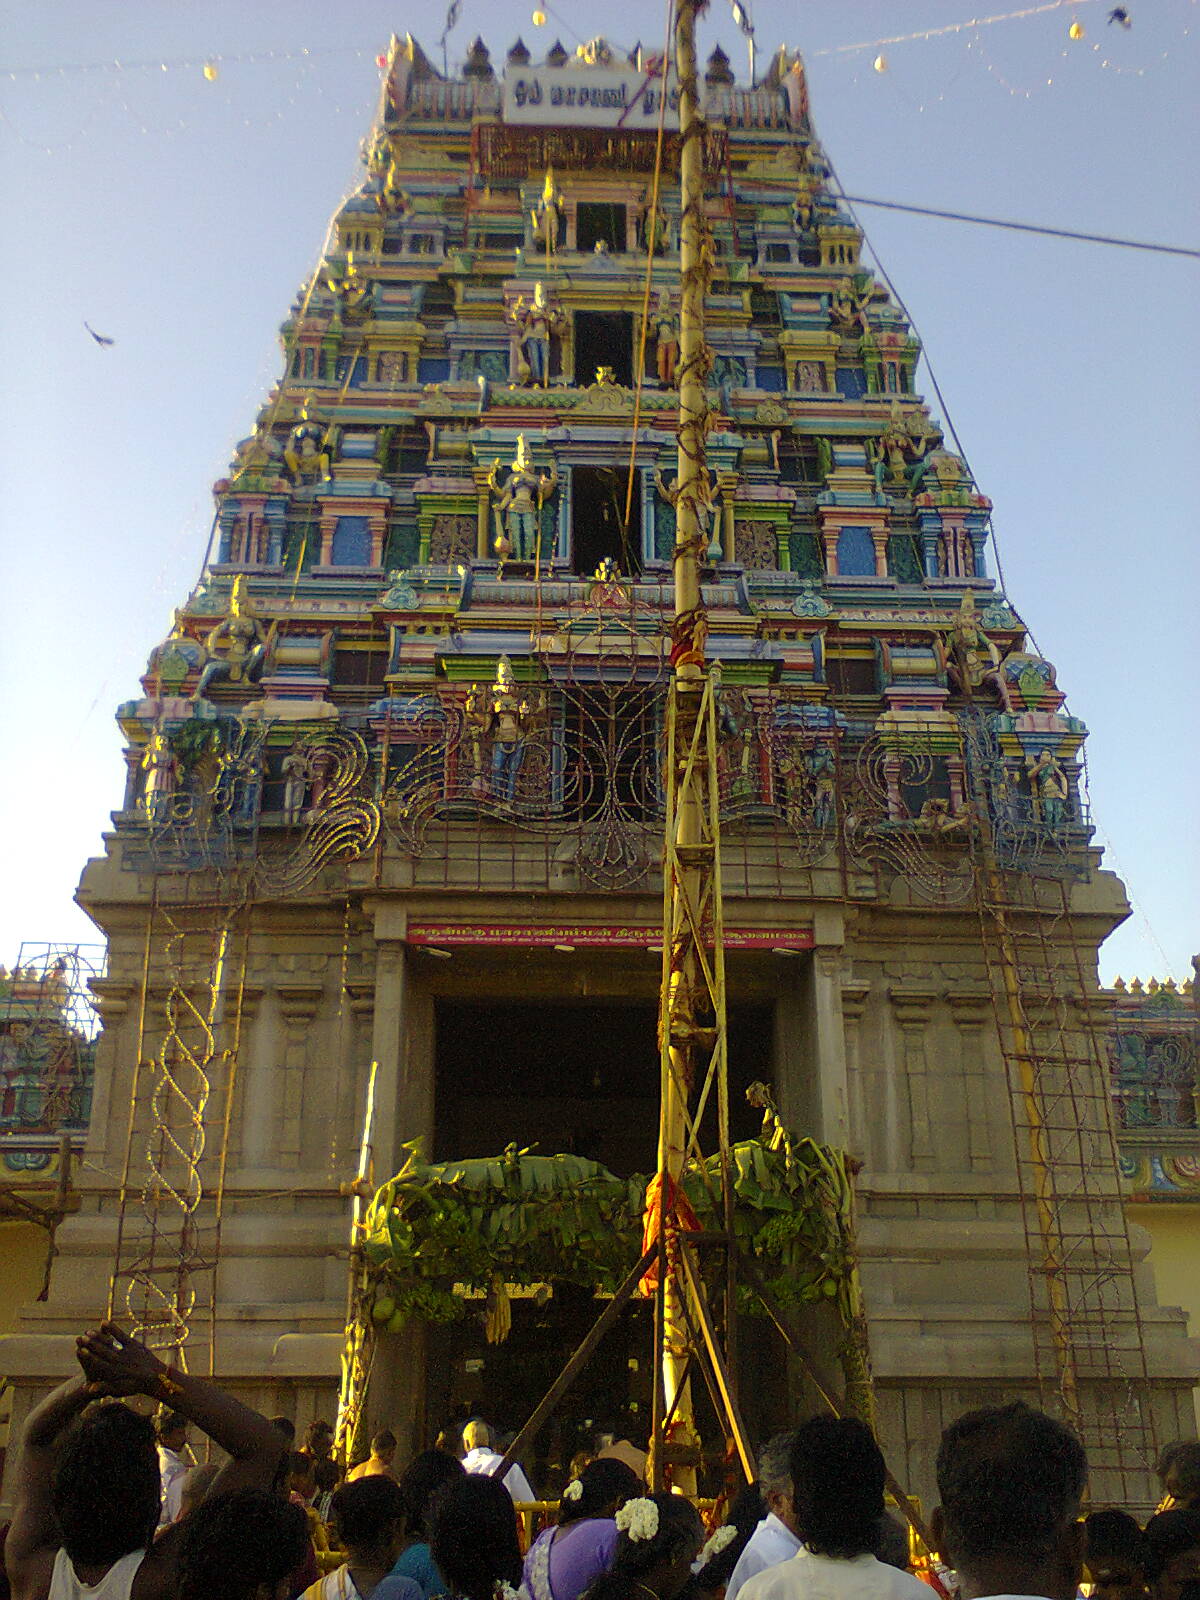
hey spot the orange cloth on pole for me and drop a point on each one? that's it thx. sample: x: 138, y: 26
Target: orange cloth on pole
x: 676, y: 1215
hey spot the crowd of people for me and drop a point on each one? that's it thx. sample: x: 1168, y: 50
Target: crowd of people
x: 109, y: 1507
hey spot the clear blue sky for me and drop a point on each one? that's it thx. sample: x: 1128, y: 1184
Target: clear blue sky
x: 178, y: 217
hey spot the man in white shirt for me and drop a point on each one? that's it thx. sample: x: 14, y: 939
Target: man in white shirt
x: 837, y: 1501
x: 1011, y: 1480
x: 174, y: 1462
x: 774, y: 1540
x: 480, y: 1457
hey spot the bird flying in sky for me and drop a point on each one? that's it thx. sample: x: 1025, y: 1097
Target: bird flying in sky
x: 101, y: 339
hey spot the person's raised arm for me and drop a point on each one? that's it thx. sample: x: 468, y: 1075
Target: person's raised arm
x: 33, y: 1539
x: 123, y: 1366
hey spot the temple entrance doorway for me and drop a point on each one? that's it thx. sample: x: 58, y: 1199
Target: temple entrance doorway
x: 597, y: 521
x: 603, y: 339
x: 581, y: 1077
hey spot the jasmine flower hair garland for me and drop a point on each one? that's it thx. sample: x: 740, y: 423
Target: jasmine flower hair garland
x: 638, y: 1520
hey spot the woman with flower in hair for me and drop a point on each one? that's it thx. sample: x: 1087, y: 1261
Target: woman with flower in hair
x: 659, y: 1537
x: 473, y: 1538
x: 563, y: 1560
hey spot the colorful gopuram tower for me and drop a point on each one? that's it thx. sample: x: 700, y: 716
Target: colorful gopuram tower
x: 393, y: 811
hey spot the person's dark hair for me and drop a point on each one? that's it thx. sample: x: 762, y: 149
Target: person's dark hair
x: 891, y: 1542
x: 837, y: 1486
x: 746, y: 1511
x: 1165, y: 1457
x: 300, y: 1464
x: 678, y: 1524
x: 327, y: 1474
x: 106, y: 1487
x: 363, y: 1511
x: 382, y: 1442
x: 319, y: 1429
x: 603, y: 1483
x: 419, y: 1482
x: 235, y: 1544
x: 1168, y: 1535
x: 1183, y: 1473
x: 473, y: 1536
x: 284, y: 1427
x: 1009, y: 1478
x: 168, y: 1422
x: 449, y: 1438
x: 1113, y: 1539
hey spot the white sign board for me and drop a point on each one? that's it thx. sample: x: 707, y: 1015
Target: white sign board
x: 588, y: 97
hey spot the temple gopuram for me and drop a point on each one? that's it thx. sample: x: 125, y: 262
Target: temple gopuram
x: 383, y: 894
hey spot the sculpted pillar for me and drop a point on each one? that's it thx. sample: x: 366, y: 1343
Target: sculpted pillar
x: 912, y: 1009
x: 403, y: 1111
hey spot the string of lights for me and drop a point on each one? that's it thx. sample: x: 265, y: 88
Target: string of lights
x: 209, y: 65
x: 212, y: 64
x: 972, y: 24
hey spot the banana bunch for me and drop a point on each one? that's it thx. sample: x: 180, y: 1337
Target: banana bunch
x: 497, y: 1321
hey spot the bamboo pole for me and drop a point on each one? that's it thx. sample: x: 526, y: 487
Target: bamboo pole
x: 684, y: 863
x: 577, y: 1362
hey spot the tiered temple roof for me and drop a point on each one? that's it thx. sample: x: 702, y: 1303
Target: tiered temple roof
x: 473, y: 446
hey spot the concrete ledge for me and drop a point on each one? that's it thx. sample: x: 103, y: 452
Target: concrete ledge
x: 40, y: 1356
x: 309, y: 1355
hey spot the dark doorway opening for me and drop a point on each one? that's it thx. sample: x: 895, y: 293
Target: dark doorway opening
x: 603, y: 339
x: 598, y: 521
x: 577, y: 1076
x: 502, y: 1383
x: 598, y: 222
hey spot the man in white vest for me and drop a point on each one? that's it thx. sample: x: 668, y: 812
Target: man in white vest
x: 774, y: 1540
x: 480, y: 1457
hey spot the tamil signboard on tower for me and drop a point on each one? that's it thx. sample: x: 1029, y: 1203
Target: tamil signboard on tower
x: 589, y: 97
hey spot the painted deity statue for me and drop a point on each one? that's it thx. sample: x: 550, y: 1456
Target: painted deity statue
x: 295, y: 786
x: 811, y: 175
x: 802, y: 205
x: 735, y: 719
x: 655, y: 230
x: 708, y: 515
x: 820, y: 773
x: 161, y: 767
x: 354, y: 296
x: 511, y: 719
x: 848, y: 306
x: 518, y: 507
x: 547, y: 218
x: 971, y: 658
x: 237, y: 646
x: 1049, y: 787
x: 901, y: 450
x: 537, y: 322
x: 666, y: 339
x: 477, y: 720
x: 306, y: 454
x: 393, y: 198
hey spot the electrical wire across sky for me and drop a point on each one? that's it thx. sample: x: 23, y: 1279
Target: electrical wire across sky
x: 1024, y: 227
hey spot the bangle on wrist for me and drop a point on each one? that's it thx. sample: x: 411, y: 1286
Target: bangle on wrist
x: 167, y: 1383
